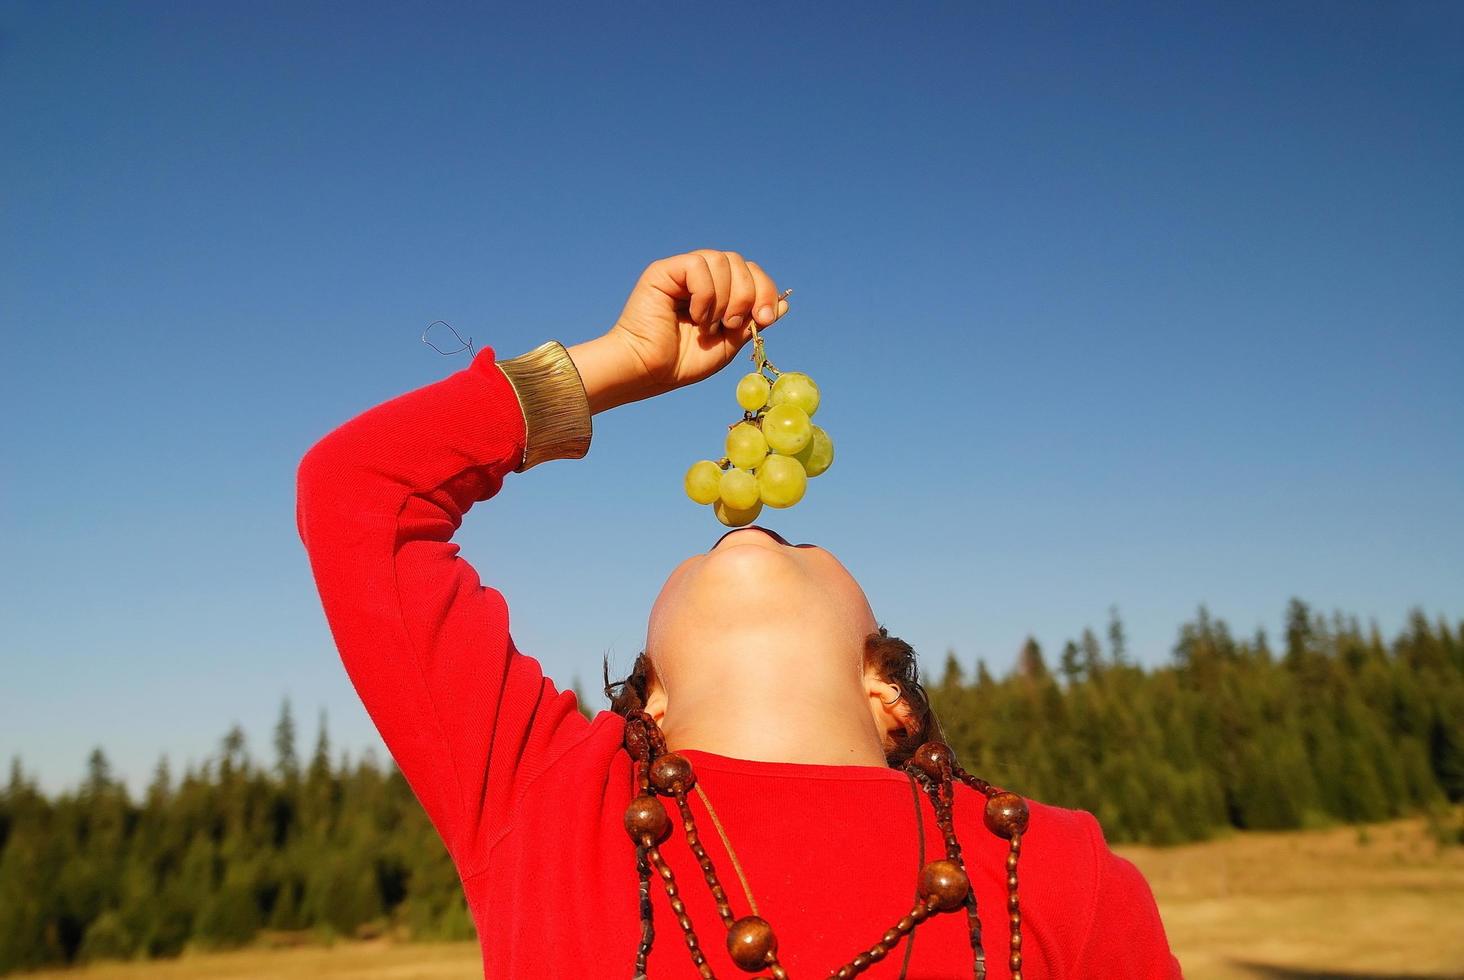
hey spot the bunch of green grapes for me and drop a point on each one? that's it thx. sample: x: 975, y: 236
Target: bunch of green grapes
x: 771, y: 453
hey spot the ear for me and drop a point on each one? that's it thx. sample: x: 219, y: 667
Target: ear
x: 887, y: 704
x: 656, y: 700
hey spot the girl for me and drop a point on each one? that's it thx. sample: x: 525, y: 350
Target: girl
x: 821, y: 829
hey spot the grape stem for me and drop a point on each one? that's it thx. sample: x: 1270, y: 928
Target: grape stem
x: 759, y: 354
x: 760, y: 357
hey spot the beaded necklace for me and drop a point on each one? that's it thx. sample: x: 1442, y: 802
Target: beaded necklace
x: 941, y: 886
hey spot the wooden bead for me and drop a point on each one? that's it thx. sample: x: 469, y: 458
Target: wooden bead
x: 929, y: 757
x: 647, y: 817
x: 671, y: 774
x: 1006, y: 815
x: 945, y: 883
x: 635, y: 740
x: 750, y: 941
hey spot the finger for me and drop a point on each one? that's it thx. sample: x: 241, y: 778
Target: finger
x: 721, y: 268
x: 766, y: 306
x: 690, y: 280
x: 743, y: 294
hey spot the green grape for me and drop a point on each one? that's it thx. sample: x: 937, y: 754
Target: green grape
x: 781, y: 481
x: 795, y: 388
x: 738, y: 489
x: 818, y: 455
x: 752, y: 391
x: 746, y: 446
x: 704, y: 482
x: 786, y: 428
x: 736, y: 518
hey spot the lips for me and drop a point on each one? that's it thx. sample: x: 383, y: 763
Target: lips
x: 753, y: 527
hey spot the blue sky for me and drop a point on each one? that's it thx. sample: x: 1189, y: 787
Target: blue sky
x: 1151, y: 306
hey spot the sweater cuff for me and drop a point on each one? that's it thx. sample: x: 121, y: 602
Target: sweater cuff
x: 555, y: 406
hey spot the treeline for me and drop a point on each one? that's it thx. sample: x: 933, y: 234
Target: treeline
x: 1337, y: 725
x: 219, y: 856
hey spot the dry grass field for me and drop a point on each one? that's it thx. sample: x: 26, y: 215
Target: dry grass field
x: 1313, y: 905
x: 1321, y: 905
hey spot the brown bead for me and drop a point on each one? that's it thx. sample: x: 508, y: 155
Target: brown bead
x: 671, y: 774
x: 750, y: 941
x: 1006, y: 815
x: 945, y: 882
x: 635, y: 740
x: 647, y: 817
x: 929, y: 757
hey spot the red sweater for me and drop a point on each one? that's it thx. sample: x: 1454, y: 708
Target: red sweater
x: 529, y: 797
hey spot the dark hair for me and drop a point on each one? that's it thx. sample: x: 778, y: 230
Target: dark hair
x: 891, y: 658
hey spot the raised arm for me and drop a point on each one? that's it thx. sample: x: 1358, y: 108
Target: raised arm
x: 469, y: 719
x: 426, y: 645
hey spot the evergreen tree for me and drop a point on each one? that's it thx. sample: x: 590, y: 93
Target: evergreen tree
x: 287, y: 762
x: 1117, y: 639
x: 1030, y: 663
x: 1071, y: 664
x: 953, y: 675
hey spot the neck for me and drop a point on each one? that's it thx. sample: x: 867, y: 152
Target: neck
x: 811, y: 725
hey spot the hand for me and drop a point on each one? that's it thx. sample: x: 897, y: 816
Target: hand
x: 685, y: 320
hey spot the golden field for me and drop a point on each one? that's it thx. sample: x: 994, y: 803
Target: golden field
x: 1338, y: 904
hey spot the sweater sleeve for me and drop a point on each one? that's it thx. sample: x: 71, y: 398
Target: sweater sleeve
x: 1126, y: 939
x: 469, y: 720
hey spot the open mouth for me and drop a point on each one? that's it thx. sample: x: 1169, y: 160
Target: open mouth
x: 753, y: 527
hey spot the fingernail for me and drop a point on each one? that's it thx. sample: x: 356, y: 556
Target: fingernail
x: 765, y: 314
x: 734, y: 321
